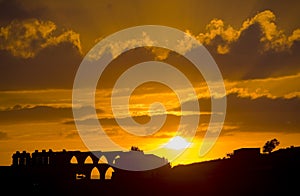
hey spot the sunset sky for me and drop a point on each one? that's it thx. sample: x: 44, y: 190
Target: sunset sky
x: 255, y: 43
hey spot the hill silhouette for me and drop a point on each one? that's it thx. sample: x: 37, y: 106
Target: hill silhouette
x: 245, y: 172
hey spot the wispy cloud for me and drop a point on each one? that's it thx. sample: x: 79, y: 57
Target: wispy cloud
x: 34, y: 114
x: 25, y: 38
x: 273, y: 87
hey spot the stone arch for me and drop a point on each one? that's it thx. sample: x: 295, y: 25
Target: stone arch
x: 95, y: 174
x: 103, y: 160
x: 109, y: 173
x: 88, y: 160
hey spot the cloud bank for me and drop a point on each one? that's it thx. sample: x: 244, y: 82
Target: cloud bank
x: 271, y: 36
x: 25, y: 38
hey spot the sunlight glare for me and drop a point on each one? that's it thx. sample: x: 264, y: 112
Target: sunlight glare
x: 177, y: 143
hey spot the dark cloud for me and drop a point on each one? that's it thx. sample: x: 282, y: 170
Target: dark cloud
x: 25, y: 38
x: 243, y: 114
x: 264, y: 114
x: 259, y: 115
x: 258, y: 49
x: 34, y: 114
x: 19, y: 114
x: 247, y: 61
x: 111, y: 126
x: 53, y: 67
x: 16, y: 9
x: 110, y: 121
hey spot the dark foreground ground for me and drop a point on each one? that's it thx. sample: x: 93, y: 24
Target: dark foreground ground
x: 277, y: 173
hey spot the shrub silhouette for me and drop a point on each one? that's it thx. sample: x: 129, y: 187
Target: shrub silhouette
x: 135, y: 148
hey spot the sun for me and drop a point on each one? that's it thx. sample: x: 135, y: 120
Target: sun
x: 177, y: 143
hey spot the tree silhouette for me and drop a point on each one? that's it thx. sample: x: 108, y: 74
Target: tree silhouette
x: 270, y: 145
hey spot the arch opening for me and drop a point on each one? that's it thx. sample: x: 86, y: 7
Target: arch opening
x: 73, y: 160
x: 116, y: 159
x: 88, y: 160
x: 95, y: 174
x: 109, y: 173
x: 103, y: 160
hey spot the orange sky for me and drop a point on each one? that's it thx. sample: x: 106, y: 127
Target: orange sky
x: 255, y: 45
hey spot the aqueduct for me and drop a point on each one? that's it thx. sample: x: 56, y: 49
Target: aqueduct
x: 77, y: 165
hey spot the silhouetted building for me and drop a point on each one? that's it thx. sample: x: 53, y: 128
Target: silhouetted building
x: 76, y: 165
x: 246, y: 153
